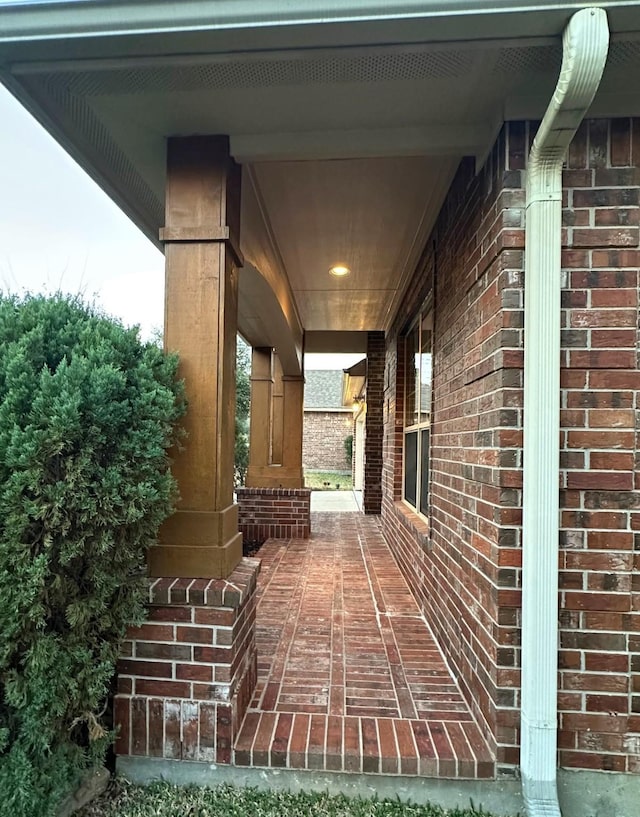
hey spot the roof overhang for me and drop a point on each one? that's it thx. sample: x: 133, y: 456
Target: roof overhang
x: 258, y: 24
x: 350, y: 119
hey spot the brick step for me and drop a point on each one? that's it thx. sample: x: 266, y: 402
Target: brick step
x: 434, y: 748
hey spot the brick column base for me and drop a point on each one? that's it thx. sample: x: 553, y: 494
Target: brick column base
x: 274, y: 513
x: 186, y: 677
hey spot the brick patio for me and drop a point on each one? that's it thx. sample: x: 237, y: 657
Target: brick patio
x: 349, y: 675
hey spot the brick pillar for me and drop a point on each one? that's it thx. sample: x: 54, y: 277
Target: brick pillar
x: 201, y: 252
x: 372, y: 499
x: 186, y: 677
x: 274, y: 504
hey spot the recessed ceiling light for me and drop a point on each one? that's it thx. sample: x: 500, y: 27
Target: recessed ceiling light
x: 340, y: 270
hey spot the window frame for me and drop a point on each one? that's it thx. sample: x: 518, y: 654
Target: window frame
x: 422, y: 411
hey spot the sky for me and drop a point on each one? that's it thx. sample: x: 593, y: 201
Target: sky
x: 59, y: 231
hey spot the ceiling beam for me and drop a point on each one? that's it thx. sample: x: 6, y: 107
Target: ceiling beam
x: 335, y: 342
x: 263, y: 322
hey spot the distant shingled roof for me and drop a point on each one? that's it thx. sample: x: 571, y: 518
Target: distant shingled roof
x: 323, y: 388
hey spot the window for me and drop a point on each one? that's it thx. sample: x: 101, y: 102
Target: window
x: 417, y: 412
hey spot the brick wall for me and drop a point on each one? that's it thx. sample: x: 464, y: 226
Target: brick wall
x: 600, y: 545
x: 472, y: 267
x: 323, y: 439
x: 374, y: 432
x: 185, y: 678
x: 463, y: 563
x: 274, y: 513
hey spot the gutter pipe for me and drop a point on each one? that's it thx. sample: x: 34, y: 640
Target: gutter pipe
x: 585, y: 45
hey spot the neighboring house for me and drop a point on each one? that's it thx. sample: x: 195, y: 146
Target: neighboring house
x: 399, y: 198
x: 327, y: 422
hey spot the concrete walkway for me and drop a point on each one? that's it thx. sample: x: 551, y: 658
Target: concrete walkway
x: 336, y: 501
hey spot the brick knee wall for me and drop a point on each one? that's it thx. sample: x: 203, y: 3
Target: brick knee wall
x: 186, y: 676
x: 274, y: 513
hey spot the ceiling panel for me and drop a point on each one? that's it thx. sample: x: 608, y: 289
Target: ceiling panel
x: 334, y: 311
x: 373, y: 215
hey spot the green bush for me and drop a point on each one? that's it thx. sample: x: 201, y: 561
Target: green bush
x: 87, y: 414
x: 348, y: 449
x: 243, y: 400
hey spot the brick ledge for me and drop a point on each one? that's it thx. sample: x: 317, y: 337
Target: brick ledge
x: 230, y: 592
x: 304, y: 492
x: 416, y: 524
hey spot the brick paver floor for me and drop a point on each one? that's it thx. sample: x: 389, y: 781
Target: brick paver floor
x: 349, y: 675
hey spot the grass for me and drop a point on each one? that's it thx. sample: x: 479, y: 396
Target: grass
x: 327, y: 481
x: 123, y: 799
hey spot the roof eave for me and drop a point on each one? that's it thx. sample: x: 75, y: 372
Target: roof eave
x: 66, y: 19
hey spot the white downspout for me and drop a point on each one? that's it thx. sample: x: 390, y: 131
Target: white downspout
x: 585, y: 45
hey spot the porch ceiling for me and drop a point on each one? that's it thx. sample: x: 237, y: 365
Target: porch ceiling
x: 370, y: 214
x: 348, y: 149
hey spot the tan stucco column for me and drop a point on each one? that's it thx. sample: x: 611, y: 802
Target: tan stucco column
x: 201, y: 310
x: 287, y: 413
x: 277, y: 418
x: 292, y: 413
x: 260, y: 416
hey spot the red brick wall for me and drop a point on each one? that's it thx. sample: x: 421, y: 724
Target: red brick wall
x: 324, y: 433
x: 374, y: 426
x: 600, y: 544
x: 185, y: 678
x: 464, y: 562
x: 455, y: 564
x: 274, y: 513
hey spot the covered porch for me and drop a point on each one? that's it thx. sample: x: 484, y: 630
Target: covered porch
x: 265, y: 154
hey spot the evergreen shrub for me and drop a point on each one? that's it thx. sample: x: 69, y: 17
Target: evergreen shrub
x: 243, y: 401
x: 87, y: 415
x: 348, y: 449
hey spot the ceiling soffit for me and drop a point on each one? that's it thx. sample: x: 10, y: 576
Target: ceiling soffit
x: 385, y: 103
x: 416, y: 99
x: 373, y: 215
